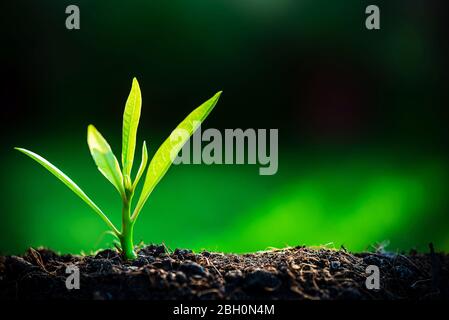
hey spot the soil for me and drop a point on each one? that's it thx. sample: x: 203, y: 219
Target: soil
x: 292, y: 273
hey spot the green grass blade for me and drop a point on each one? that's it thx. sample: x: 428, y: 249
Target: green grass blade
x: 131, y: 118
x: 162, y: 161
x: 143, y: 165
x: 70, y: 184
x: 105, y: 159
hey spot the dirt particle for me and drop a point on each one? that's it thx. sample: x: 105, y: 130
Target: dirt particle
x: 101, y: 266
x: 153, y: 250
x: 372, y: 260
x: 182, y: 252
x: 335, y: 265
x: 234, y: 276
x: 17, y: 265
x: 262, y: 280
x: 180, y: 277
x: 167, y: 264
x: 403, y: 273
x: 140, y: 262
x: 109, y: 254
x: 192, y: 268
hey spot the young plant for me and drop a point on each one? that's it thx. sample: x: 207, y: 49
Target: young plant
x: 121, y: 178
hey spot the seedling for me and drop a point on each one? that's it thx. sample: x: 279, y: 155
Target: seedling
x: 121, y: 178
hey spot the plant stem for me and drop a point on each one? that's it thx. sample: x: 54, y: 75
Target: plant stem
x: 126, y: 237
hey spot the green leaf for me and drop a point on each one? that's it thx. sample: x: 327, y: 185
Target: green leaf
x: 69, y: 183
x: 131, y: 118
x: 105, y: 159
x: 143, y: 165
x: 162, y: 159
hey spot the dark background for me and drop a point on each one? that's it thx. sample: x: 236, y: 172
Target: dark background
x: 361, y: 114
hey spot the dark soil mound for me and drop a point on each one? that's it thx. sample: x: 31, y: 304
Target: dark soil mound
x: 294, y: 273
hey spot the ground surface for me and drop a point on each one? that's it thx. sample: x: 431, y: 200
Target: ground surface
x: 294, y: 273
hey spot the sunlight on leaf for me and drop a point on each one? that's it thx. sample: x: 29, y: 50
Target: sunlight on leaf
x: 104, y: 158
x: 162, y: 159
x: 69, y: 183
x: 131, y: 118
x: 143, y: 165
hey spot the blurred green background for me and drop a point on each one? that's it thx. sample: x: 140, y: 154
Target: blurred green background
x: 362, y: 134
